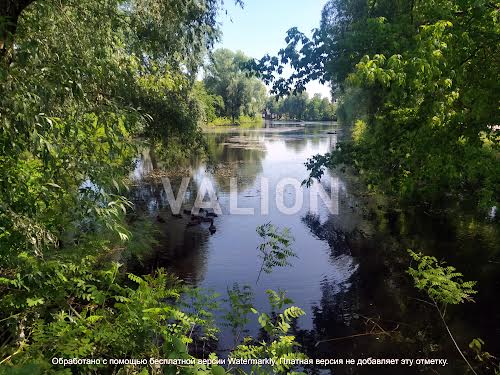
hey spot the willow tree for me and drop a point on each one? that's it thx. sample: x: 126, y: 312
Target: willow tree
x: 225, y: 76
x: 79, y: 81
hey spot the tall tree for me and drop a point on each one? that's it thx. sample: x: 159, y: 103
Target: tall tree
x: 84, y: 80
x: 9, y: 16
x: 225, y: 76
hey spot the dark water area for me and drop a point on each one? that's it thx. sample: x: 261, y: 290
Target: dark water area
x: 349, y: 273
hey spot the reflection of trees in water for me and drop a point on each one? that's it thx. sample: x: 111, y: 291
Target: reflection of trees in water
x: 315, y: 141
x: 298, y: 142
x: 295, y: 143
x: 326, y: 231
x: 333, y: 316
x: 346, y: 324
x: 149, y: 160
x: 143, y: 164
x: 382, y: 293
x: 332, y: 142
x: 180, y: 248
x: 352, y: 306
x: 234, y: 156
x: 379, y: 293
x: 344, y: 230
x: 294, y: 140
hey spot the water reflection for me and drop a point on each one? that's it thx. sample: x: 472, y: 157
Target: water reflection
x: 350, y: 272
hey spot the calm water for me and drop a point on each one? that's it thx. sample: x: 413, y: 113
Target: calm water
x: 349, y: 272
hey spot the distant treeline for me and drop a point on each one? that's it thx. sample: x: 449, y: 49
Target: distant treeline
x: 301, y: 107
x: 229, y: 95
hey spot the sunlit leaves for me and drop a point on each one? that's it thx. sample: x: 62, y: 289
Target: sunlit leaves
x: 443, y: 284
x: 422, y: 84
x: 227, y: 78
x: 239, y: 307
x: 30, y: 302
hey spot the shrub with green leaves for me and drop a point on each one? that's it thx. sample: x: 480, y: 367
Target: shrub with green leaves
x: 81, y: 311
x: 275, y: 249
x: 279, y: 344
x: 240, y: 306
x: 443, y: 284
x: 488, y: 361
x: 86, y: 309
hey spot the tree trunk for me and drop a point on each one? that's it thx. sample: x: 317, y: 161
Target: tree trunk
x: 10, y: 10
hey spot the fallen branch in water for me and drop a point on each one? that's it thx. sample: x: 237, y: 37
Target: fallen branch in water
x: 380, y: 331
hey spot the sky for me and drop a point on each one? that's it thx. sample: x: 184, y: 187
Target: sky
x: 261, y: 26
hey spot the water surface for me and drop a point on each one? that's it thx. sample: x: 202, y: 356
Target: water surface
x: 348, y: 275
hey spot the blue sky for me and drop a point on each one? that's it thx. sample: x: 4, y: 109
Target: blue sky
x: 261, y: 26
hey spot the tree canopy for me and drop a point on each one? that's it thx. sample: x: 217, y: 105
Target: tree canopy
x: 81, y: 80
x: 81, y: 84
x: 407, y: 73
x: 301, y: 107
x: 226, y: 77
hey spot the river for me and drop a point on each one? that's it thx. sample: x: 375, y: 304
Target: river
x: 349, y: 273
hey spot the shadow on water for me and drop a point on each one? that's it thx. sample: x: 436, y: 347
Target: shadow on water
x: 350, y: 272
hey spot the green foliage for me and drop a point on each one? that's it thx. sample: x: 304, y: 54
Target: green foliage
x: 277, y: 299
x: 83, y: 310
x: 225, y: 77
x: 81, y: 82
x: 359, y: 131
x: 421, y: 139
x: 142, y: 238
x: 275, y: 249
x: 422, y: 76
x: 443, y: 284
x: 71, y: 112
x: 202, y: 304
x: 240, y: 306
x: 211, y: 103
x: 488, y: 361
x: 301, y: 107
x: 279, y: 345
x: 175, y: 112
x: 476, y: 345
x: 242, y: 121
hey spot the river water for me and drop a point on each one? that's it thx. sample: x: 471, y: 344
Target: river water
x: 349, y: 273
